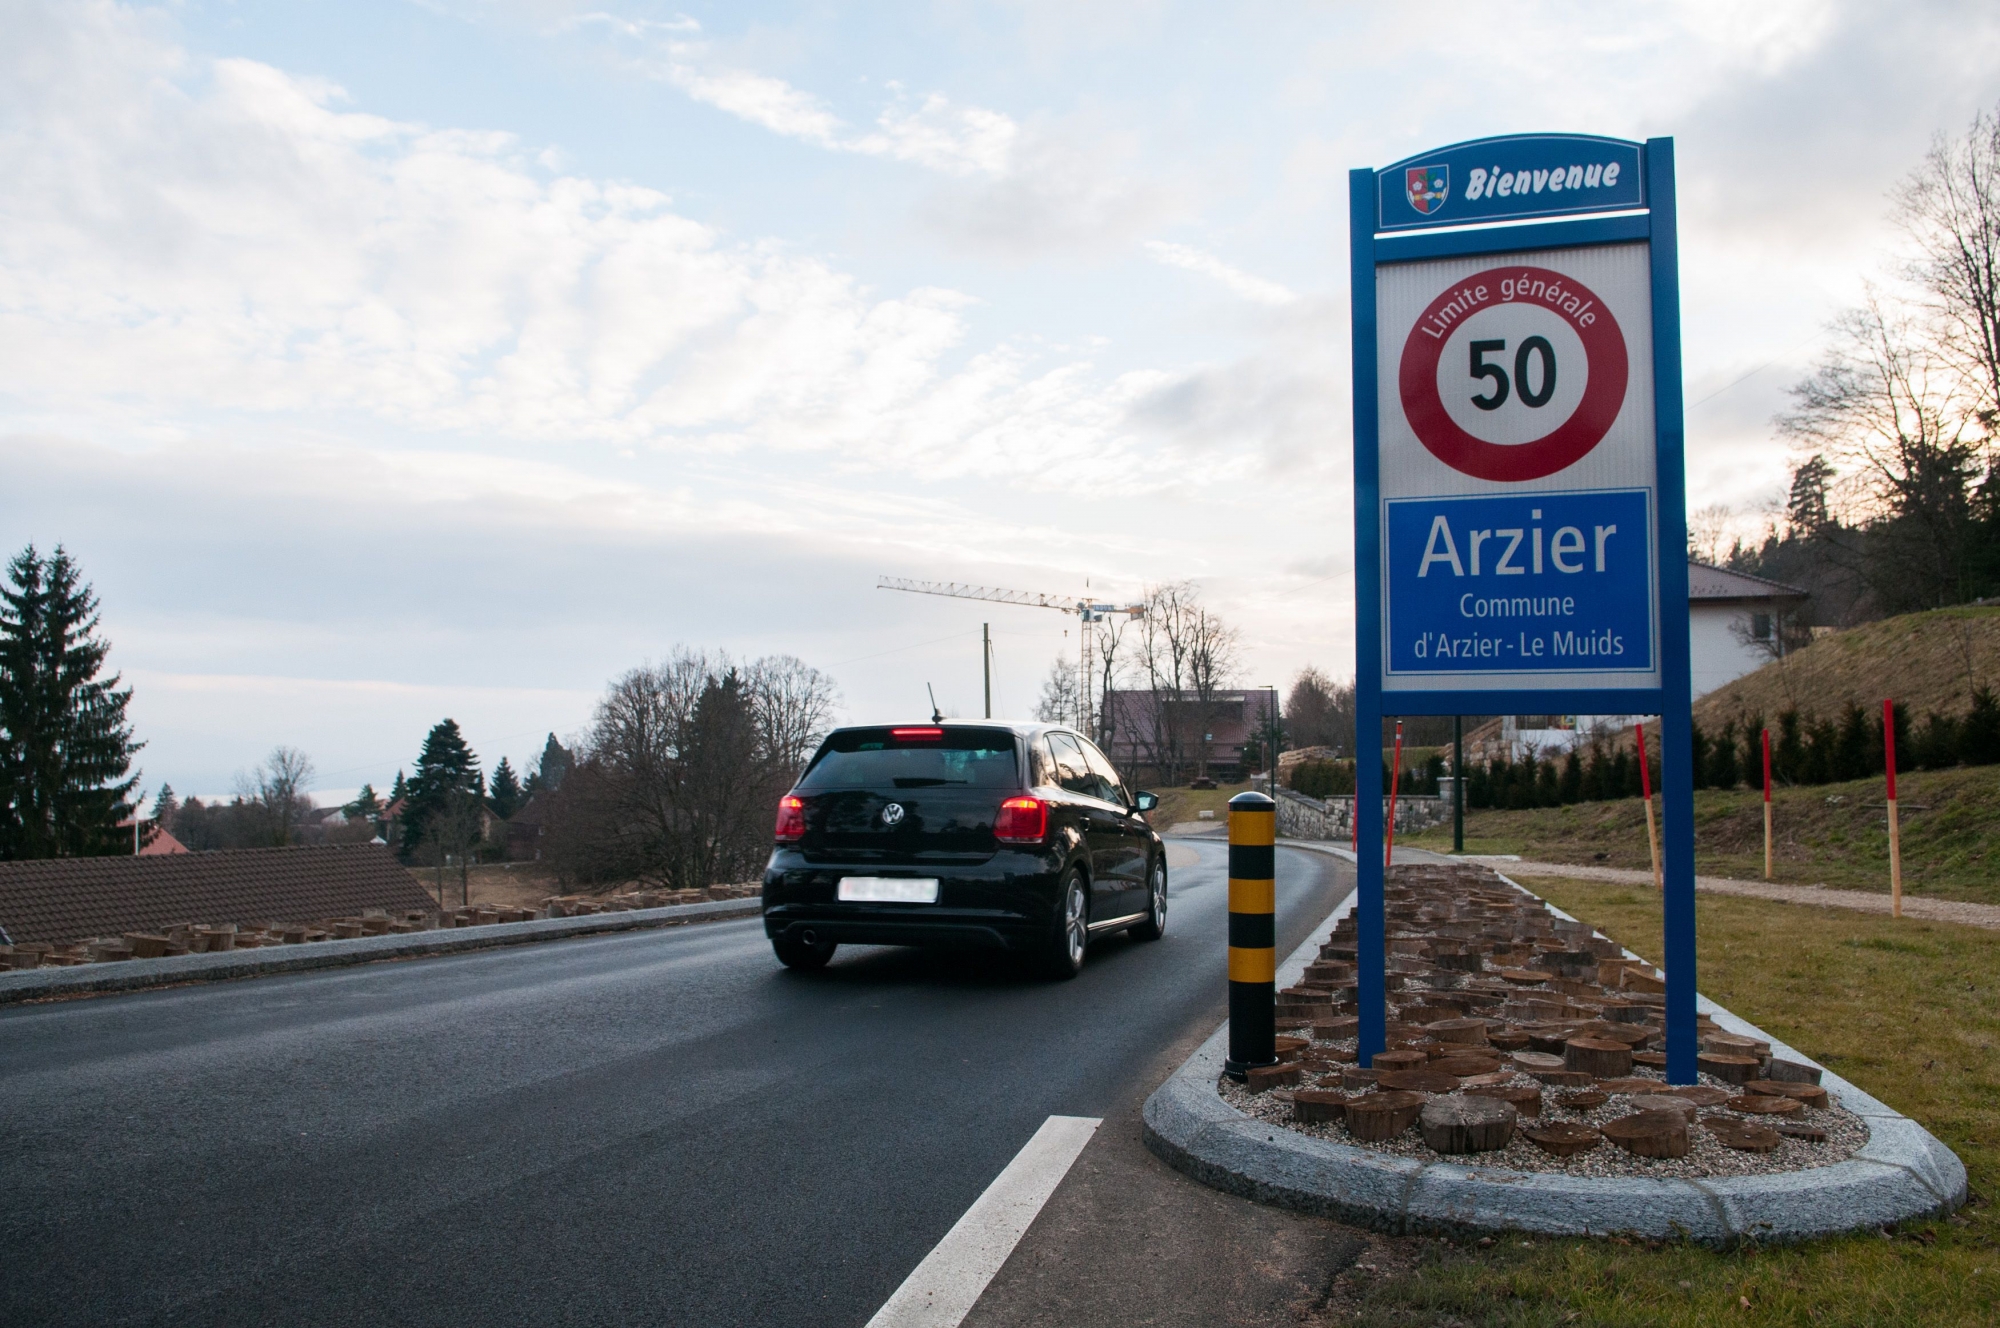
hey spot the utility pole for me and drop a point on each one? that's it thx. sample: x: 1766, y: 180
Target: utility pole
x: 986, y: 663
x: 1458, y: 783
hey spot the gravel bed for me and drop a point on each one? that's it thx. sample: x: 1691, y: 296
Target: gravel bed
x: 1846, y: 1133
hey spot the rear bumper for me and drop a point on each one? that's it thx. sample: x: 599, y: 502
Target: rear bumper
x: 1007, y: 902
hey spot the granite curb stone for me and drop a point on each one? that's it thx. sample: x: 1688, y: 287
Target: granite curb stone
x: 1903, y: 1172
x: 137, y: 974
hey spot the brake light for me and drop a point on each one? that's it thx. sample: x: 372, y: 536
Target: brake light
x: 916, y: 735
x: 791, y: 819
x: 1022, y: 821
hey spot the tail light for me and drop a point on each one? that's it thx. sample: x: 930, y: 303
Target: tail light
x: 791, y: 820
x: 1022, y: 821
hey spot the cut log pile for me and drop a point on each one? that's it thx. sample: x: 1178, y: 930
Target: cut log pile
x: 195, y: 938
x: 1511, y: 1028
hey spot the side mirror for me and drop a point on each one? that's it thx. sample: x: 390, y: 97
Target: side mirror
x: 1145, y: 802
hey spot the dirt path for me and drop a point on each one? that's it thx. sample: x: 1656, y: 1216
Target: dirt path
x: 1934, y: 910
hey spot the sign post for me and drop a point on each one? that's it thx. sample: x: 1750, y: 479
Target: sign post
x: 1519, y: 510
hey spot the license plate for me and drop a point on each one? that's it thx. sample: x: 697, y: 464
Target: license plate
x: 888, y: 890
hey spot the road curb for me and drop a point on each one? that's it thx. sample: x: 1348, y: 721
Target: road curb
x: 138, y: 974
x: 1903, y: 1172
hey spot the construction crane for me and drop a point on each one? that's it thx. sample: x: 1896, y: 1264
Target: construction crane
x: 1088, y: 612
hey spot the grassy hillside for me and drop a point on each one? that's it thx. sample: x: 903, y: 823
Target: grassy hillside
x: 1928, y: 661
x: 1829, y: 834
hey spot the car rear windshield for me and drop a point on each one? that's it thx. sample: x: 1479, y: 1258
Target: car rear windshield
x: 880, y: 758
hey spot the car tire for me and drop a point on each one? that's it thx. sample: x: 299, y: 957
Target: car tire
x: 805, y: 956
x: 1063, y: 952
x: 1155, y: 925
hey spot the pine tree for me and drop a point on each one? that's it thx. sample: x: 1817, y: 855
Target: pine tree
x: 166, y: 807
x: 398, y: 790
x: 65, y: 745
x: 365, y: 807
x: 547, y: 776
x: 505, y: 789
x: 445, y: 768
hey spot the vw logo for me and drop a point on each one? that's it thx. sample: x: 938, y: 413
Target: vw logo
x: 892, y: 814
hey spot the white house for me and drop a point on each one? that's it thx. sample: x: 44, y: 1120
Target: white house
x: 1734, y: 623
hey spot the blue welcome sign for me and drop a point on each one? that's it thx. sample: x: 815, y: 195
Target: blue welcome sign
x: 1501, y: 179
x: 1520, y: 514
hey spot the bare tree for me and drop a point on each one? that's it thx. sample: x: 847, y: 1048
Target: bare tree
x: 1319, y: 712
x: 276, y: 793
x: 1950, y: 210
x: 1187, y: 654
x: 794, y: 704
x: 1059, y: 703
x: 452, y: 833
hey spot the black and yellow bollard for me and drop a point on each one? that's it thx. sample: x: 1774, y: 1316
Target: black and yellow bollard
x: 1253, y: 933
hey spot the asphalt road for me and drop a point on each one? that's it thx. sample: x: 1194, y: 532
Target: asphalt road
x: 660, y: 1127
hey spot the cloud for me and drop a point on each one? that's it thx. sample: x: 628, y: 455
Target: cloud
x: 1253, y: 288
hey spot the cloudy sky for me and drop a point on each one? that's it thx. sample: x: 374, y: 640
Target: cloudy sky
x: 385, y: 361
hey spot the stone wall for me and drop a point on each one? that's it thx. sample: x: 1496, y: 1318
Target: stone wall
x: 1300, y: 817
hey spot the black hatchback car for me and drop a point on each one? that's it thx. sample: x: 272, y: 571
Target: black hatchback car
x: 1018, y: 837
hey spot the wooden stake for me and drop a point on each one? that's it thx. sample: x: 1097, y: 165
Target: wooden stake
x: 1652, y: 825
x: 1895, y: 838
x: 1395, y: 778
x: 1767, y: 804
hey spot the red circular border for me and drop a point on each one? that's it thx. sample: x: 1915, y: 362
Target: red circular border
x: 1569, y: 442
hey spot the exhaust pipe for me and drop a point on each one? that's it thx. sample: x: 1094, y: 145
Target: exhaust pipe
x: 809, y: 936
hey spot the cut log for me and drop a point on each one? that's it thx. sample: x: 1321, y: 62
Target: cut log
x: 1742, y: 1135
x: 1548, y: 1043
x: 1318, y: 1106
x: 1374, y: 1117
x: 1471, y: 1031
x: 1336, y: 1030
x: 1791, y: 1072
x: 1468, y: 1124
x: 1466, y: 1066
x: 1291, y: 1048
x: 1398, y: 1060
x: 1523, y: 977
x: 1524, y: 1098
x: 1563, y: 1078
x: 1634, y: 1086
x: 1585, y: 1099
x: 1532, y: 1061
x: 1652, y: 1060
x: 1752, y: 1105
x: 1419, y: 1081
x: 1600, y: 1058
x: 1562, y: 1138
x: 1264, y: 1078
x: 1667, y: 1102
x: 1703, y: 1095
x: 1729, y: 1069
x: 1507, y: 1039
x: 1353, y: 1076
x: 1799, y: 1130
x: 1494, y: 1080
x: 1811, y: 1094
x: 1649, y: 1134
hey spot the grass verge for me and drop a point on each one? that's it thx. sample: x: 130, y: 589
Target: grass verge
x: 1184, y: 804
x: 1831, y: 834
x: 1908, y: 1010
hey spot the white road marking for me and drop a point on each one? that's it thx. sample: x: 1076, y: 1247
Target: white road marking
x: 942, y: 1289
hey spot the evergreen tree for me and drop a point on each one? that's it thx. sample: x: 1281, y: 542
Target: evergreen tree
x: 398, y: 790
x: 166, y: 807
x: 365, y: 807
x: 506, y: 789
x: 446, y: 768
x: 65, y: 745
x: 547, y: 776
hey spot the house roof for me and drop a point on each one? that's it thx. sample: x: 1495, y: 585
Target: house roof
x: 1709, y: 583
x: 68, y: 899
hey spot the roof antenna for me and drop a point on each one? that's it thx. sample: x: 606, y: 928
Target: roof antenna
x: 936, y: 716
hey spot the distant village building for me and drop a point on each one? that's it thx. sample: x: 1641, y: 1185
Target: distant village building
x: 1735, y: 623
x: 1180, y: 734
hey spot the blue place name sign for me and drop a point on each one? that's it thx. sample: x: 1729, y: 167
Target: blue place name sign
x: 1503, y: 179
x: 1549, y: 583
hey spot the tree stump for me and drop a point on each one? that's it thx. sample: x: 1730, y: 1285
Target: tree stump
x: 1318, y: 1106
x: 1600, y: 1058
x: 1585, y: 1099
x: 1649, y: 1134
x: 1354, y: 1077
x: 1419, y: 1081
x: 1804, y: 1133
x: 1634, y: 1086
x: 1523, y: 977
x: 1652, y: 1060
x: 1532, y: 1061
x: 1374, y: 1117
x: 1465, y: 1066
x: 1291, y: 1048
x: 1703, y: 1095
x: 1494, y: 1079
x: 1264, y: 1078
x: 1742, y: 1135
x: 1668, y: 1102
x: 1525, y: 1099
x: 1752, y: 1105
x: 1563, y: 1138
x: 1507, y: 1039
x: 1811, y: 1094
x: 1791, y: 1072
x: 1398, y: 1060
x: 1548, y: 1043
x: 1468, y: 1124
x: 1472, y: 1031
x: 1729, y: 1069
x: 1335, y: 1030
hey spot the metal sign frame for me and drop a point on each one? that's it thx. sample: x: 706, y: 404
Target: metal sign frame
x: 1651, y: 221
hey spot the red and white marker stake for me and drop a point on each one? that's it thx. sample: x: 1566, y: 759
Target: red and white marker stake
x: 1395, y: 778
x: 1767, y: 804
x: 1895, y: 838
x: 1646, y: 787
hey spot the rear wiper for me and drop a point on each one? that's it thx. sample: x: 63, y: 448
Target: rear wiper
x: 916, y: 782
